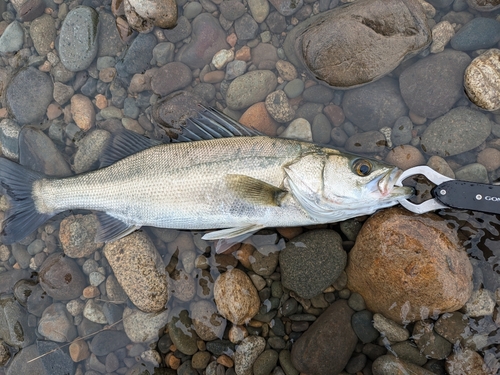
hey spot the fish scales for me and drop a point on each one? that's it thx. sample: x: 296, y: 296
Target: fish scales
x: 179, y: 185
x: 237, y: 185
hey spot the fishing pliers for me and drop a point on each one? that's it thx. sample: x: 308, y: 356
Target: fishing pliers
x: 451, y: 193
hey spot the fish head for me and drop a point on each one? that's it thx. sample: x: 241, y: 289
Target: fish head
x: 333, y: 186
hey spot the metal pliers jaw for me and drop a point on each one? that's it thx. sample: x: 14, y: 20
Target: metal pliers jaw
x: 431, y: 175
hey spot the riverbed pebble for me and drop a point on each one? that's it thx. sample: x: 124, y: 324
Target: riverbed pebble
x: 139, y: 270
x: 140, y: 326
x: 12, y: 38
x: 250, y: 88
x: 299, y: 129
x: 61, y: 278
x: 482, y: 80
x: 481, y: 32
x: 432, y: 85
x: 247, y: 353
x: 405, y: 156
x: 374, y: 106
x: 207, y: 38
x: 236, y: 297
x: 28, y: 95
x: 278, y: 107
x: 459, y: 130
x: 56, y: 324
x: 309, y: 272
x: 77, y: 235
x: 78, y: 38
x: 326, y: 356
x: 441, y: 35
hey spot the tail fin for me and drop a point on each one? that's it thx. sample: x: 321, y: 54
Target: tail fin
x: 22, y: 217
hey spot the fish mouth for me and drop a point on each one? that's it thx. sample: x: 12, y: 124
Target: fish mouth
x: 387, y: 188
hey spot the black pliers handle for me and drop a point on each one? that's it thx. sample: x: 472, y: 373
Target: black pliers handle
x: 450, y: 193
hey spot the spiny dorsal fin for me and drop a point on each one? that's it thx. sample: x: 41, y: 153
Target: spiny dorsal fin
x: 210, y: 123
x: 124, y: 144
x: 255, y: 191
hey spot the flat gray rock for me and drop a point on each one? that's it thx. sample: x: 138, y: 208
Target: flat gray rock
x: 461, y: 129
x: 312, y: 261
x: 432, y: 85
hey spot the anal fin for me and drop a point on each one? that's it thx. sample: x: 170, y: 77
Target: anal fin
x: 255, y: 191
x: 232, y: 232
x: 230, y: 236
x: 111, y: 229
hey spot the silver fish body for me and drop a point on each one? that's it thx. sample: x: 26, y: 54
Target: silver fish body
x: 237, y: 184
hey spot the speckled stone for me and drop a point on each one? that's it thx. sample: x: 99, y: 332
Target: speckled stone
x: 312, y: 261
x: 28, y: 95
x: 236, y: 296
x: 140, y: 271
x: 77, y: 235
x: 143, y: 327
x: 459, y: 130
x: 482, y: 80
x: 247, y: 353
x: 78, y: 38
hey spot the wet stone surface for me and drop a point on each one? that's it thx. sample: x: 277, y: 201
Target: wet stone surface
x: 72, y: 75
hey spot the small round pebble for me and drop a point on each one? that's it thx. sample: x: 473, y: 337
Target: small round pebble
x: 390, y: 329
x: 294, y: 88
x: 299, y: 129
x: 405, y: 156
x: 363, y: 326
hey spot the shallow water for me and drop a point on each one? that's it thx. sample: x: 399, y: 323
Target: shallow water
x: 479, y: 234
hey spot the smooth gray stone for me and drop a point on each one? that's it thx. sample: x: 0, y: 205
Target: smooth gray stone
x: 28, y: 95
x: 78, y: 38
x: 12, y: 38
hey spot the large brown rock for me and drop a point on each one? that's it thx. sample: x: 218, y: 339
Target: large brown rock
x: 408, y: 267
x: 325, y: 348
x: 360, y: 42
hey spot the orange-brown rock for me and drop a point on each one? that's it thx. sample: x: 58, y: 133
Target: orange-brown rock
x: 258, y: 118
x: 408, y: 267
x: 236, y: 296
x: 405, y: 156
x: 79, y: 350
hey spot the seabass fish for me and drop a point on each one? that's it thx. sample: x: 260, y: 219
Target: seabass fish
x: 210, y: 180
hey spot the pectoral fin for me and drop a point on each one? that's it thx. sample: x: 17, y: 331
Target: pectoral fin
x: 255, y: 191
x: 111, y: 228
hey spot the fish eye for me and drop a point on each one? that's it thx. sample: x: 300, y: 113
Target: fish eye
x: 362, y: 167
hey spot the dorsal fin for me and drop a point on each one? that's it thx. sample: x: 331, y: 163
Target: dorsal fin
x: 124, y: 144
x: 210, y: 123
